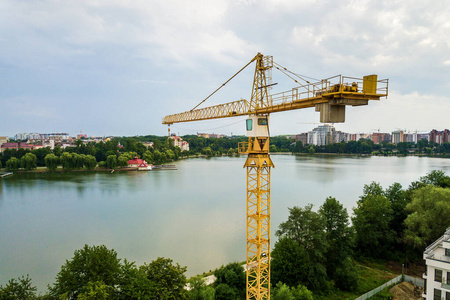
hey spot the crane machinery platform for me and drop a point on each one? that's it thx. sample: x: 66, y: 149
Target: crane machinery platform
x: 328, y: 96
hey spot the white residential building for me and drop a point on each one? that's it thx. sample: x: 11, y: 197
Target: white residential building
x: 178, y: 142
x: 437, y: 276
x: 321, y: 135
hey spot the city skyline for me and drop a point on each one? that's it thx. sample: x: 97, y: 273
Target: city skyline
x: 118, y: 68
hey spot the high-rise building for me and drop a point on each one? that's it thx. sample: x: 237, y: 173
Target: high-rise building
x: 397, y: 137
x: 321, y: 135
x: 379, y: 137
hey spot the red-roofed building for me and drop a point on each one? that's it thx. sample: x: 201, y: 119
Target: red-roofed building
x: 5, y: 146
x: 140, y: 164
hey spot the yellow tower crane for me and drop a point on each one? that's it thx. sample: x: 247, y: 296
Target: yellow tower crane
x: 328, y: 96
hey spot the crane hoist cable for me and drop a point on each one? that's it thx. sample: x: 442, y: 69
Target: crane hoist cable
x: 284, y: 70
x: 224, y: 84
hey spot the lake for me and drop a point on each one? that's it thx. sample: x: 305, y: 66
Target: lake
x: 194, y: 215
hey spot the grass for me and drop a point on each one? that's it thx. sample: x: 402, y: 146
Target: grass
x: 371, y: 275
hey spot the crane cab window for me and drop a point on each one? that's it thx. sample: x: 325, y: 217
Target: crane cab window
x: 262, y: 121
x: 249, y: 124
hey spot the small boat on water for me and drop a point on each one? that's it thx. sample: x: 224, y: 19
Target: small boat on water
x: 5, y: 174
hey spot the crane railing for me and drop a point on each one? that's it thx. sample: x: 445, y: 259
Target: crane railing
x: 299, y: 97
x: 328, y: 87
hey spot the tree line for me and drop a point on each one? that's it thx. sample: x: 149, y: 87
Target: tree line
x: 163, y: 150
x: 110, y: 154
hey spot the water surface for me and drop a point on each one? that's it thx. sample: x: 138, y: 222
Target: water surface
x: 194, y: 215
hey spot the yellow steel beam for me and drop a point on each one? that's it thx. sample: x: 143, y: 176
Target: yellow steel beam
x: 242, y: 107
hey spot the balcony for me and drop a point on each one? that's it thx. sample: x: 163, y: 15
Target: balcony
x: 445, y: 284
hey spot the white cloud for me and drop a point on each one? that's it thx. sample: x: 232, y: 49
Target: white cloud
x: 98, y: 48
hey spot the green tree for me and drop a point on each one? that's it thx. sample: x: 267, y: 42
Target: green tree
x: 233, y: 276
x: 122, y: 161
x: 281, y: 292
x: 28, y: 161
x: 398, y: 199
x: 51, y: 161
x: 111, y: 161
x: 90, y: 162
x: 428, y: 216
x: 168, y: 279
x: 436, y: 178
x: 371, y: 221
x: 225, y: 292
x: 346, y: 275
x: 288, y: 263
x: 18, y: 289
x: 338, y: 234
x: 134, y: 283
x: 66, y: 160
x: 198, y: 290
x: 12, y: 164
x: 157, y: 157
x: 130, y: 155
x: 102, y: 164
x: 298, y: 147
x: 307, y: 229
x: 88, y: 265
x: 94, y: 291
x: 208, y: 152
x: 301, y: 292
x: 148, y: 157
x: 77, y: 160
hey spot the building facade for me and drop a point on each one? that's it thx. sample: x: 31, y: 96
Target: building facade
x: 397, y: 137
x: 437, y: 276
x: 178, y: 142
x: 321, y: 135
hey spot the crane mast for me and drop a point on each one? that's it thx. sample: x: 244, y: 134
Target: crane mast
x: 328, y: 96
x: 258, y: 166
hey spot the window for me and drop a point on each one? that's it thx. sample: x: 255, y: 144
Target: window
x: 438, y: 275
x: 437, y: 294
x: 447, y: 252
x: 249, y: 124
x: 262, y: 121
x: 447, y: 296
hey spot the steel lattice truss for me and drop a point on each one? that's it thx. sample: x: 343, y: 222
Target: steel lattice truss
x: 258, y: 226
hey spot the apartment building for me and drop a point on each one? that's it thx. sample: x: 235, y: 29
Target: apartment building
x: 437, y: 276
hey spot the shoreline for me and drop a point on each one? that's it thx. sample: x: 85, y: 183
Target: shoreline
x: 60, y: 170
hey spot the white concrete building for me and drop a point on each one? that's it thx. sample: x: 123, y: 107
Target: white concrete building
x: 178, y: 142
x: 437, y: 276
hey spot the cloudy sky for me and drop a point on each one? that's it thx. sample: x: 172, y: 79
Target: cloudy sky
x: 118, y: 67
